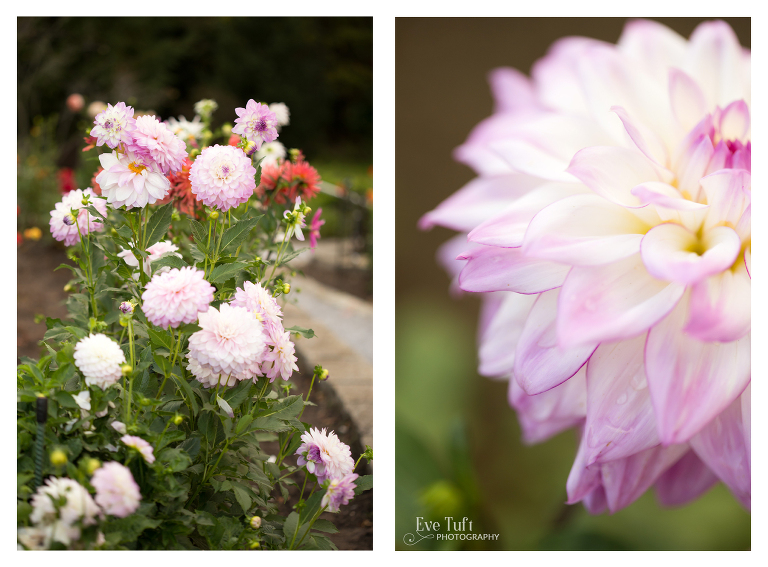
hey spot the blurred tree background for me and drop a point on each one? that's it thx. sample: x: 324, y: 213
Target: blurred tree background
x: 321, y: 68
x: 457, y: 441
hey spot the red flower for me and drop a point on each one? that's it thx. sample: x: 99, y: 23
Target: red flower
x: 181, y: 190
x: 66, y: 180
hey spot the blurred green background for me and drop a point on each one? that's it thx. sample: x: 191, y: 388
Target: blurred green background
x: 458, y: 449
x: 321, y: 68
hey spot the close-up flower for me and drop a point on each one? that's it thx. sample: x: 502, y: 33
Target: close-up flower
x: 281, y: 360
x: 70, y: 219
x: 99, y: 358
x: 256, y: 299
x: 60, y: 508
x: 303, y: 179
x: 222, y: 177
x: 154, y: 141
x: 144, y: 448
x: 295, y: 220
x: 131, y: 180
x: 175, y: 297
x: 114, y: 125
x: 229, y: 346
x: 326, y: 456
x: 116, y: 491
x: 339, y: 492
x: 256, y: 122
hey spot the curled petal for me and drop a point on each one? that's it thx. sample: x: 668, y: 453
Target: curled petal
x: 688, y: 101
x: 734, y: 121
x: 729, y: 194
x: 512, y: 90
x: 721, y: 307
x: 746, y: 417
x: 715, y: 62
x: 684, y: 481
x: 644, y: 139
x: 504, y: 318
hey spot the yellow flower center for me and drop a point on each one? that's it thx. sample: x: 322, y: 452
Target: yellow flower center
x: 136, y: 168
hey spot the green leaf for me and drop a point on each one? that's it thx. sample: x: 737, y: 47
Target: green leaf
x: 160, y: 339
x: 225, y: 271
x: 268, y: 424
x: 189, y: 397
x: 363, y: 483
x: 291, y: 527
x: 236, y: 234
x: 158, y: 225
x: 242, y: 423
x: 124, y: 271
x: 191, y: 446
x: 324, y: 526
x: 200, y: 235
x: 207, y: 424
x: 170, y: 260
x: 313, y: 505
x: 65, y: 399
x: 284, y: 409
x: 237, y: 395
x: 242, y: 496
x: 290, y: 256
x: 91, y: 209
x: 174, y: 458
x: 306, y: 333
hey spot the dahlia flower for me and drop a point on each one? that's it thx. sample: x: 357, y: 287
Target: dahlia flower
x: 99, y: 358
x: 131, y: 180
x: 222, y: 177
x: 258, y: 300
x: 186, y: 130
x: 325, y: 455
x: 314, y: 229
x: 65, y: 228
x: 304, y: 180
x: 256, y: 122
x: 281, y: 359
x: 609, y: 228
x: 60, y: 507
x: 271, y: 153
x: 295, y: 220
x: 206, y: 107
x: 339, y: 492
x: 176, y: 297
x: 116, y: 491
x: 114, y: 125
x: 181, y: 190
x: 154, y: 141
x: 142, y: 446
x: 282, y: 114
x: 229, y: 346
x: 155, y: 252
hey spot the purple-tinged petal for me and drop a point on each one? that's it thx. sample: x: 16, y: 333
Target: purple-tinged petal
x: 475, y: 153
x: 721, y: 444
x: 612, y: 302
x: 746, y: 418
x: 691, y: 381
x: 549, y: 413
x: 644, y: 139
x: 688, y: 101
x: 506, y: 269
x: 693, y: 165
x: 446, y: 257
x: 512, y: 90
x: 540, y: 364
x: 504, y: 318
x: 669, y: 204
x: 721, y: 307
x: 508, y: 228
x: 684, y: 481
x: 748, y: 261
x: 715, y: 62
x: 729, y: 193
x: 620, y: 419
x: 584, y: 230
x: 653, y: 46
x: 671, y: 252
x: 479, y: 200
x: 582, y: 479
x: 596, y: 501
x: 530, y: 159
x: 735, y: 121
x: 612, y: 172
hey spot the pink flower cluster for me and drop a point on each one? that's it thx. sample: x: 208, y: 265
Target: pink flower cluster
x: 222, y: 177
x: 70, y: 219
x: 176, y: 297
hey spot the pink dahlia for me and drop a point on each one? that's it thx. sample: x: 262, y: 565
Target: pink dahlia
x: 325, y: 455
x: 339, y: 492
x: 116, y: 491
x: 131, y: 180
x: 281, y: 359
x: 154, y: 141
x: 114, y: 126
x: 314, y: 229
x: 142, y: 446
x: 609, y: 228
x: 176, y: 297
x: 70, y: 215
x: 258, y: 300
x: 229, y: 346
x: 156, y: 251
x: 222, y: 177
x: 256, y: 122
x: 303, y: 179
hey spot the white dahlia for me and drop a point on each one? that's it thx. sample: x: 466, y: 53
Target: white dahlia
x: 99, y: 358
x: 131, y: 180
x: 60, y: 507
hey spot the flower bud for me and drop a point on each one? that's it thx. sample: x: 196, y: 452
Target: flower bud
x: 257, y: 260
x: 175, y: 215
x: 214, y: 215
x: 69, y: 220
x: 255, y: 545
x: 86, y: 200
x: 256, y: 522
x: 177, y: 419
x: 226, y: 129
x: 126, y: 307
x: 58, y: 458
x: 126, y: 369
x: 323, y: 374
x: 145, y: 401
x: 91, y: 465
x: 68, y: 288
x: 307, y: 210
x: 286, y: 288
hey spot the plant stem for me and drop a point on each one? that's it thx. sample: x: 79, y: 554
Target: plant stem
x: 127, y: 405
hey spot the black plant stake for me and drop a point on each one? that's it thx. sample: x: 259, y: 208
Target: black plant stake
x: 42, y: 416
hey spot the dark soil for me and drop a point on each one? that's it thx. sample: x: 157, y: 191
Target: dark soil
x: 40, y: 291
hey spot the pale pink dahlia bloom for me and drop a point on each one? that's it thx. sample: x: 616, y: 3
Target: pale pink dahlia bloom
x: 282, y: 114
x: 131, y: 180
x: 258, y: 300
x: 156, y: 251
x: 114, y: 126
x: 325, y: 455
x: 281, y: 359
x: 70, y: 214
x: 176, y: 297
x: 609, y: 229
x: 116, y: 491
x: 99, y: 358
x: 339, y: 492
x: 62, y: 521
x: 156, y: 142
x: 222, y: 177
x: 229, y: 346
x: 142, y: 446
x: 256, y: 122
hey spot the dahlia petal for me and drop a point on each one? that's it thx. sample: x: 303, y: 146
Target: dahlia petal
x: 665, y: 195
x: 744, y: 226
x: 746, y: 417
x: 735, y: 121
x: 596, y: 501
x: 583, y: 230
x: 549, y: 413
x: 539, y: 363
x: 475, y: 152
x: 748, y: 262
x: 653, y: 46
x: 612, y: 172
x: 620, y: 419
x: 721, y: 307
x: 666, y: 252
x: 721, y: 444
x: 512, y: 90
x: 479, y: 200
x: 684, y: 481
x: 446, y: 256
x: 582, y: 479
x: 505, y: 319
x: 612, y: 302
x: 644, y: 139
x: 508, y: 228
x: 688, y: 101
x: 715, y: 62
x: 693, y: 166
x: 691, y: 381
x: 729, y: 194
x: 506, y: 269
x: 528, y: 158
